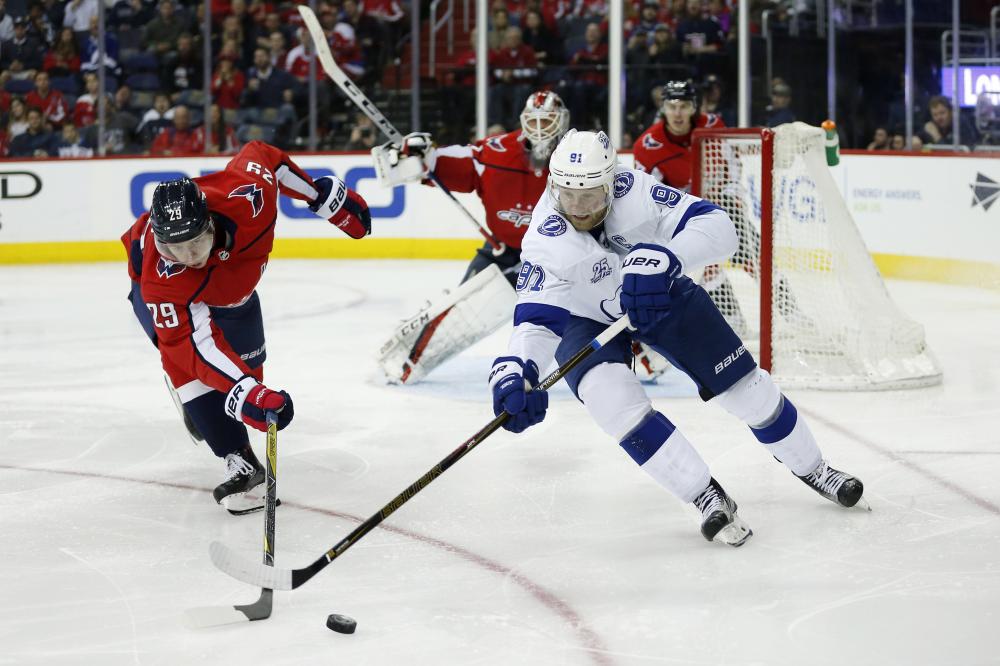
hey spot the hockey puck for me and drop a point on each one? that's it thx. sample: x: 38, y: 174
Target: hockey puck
x: 341, y: 623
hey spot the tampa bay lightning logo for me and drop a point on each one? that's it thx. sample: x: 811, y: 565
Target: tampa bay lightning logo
x: 620, y: 240
x: 552, y: 226
x: 650, y: 143
x: 623, y: 183
x: 612, y: 307
x: 168, y: 269
x: 251, y: 193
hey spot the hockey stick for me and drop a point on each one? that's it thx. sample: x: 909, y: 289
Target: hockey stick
x: 229, y: 562
x: 348, y: 87
x: 210, y: 616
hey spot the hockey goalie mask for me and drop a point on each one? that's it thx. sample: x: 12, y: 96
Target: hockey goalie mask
x: 581, y: 178
x: 543, y: 121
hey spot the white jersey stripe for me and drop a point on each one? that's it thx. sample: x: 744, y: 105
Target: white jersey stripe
x: 201, y: 322
x: 293, y: 181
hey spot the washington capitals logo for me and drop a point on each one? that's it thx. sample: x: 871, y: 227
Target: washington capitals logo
x: 985, y: 191
x: 496, y: 144
x: 168, y: 269
x: 251, y: 193
x: 649, y: 142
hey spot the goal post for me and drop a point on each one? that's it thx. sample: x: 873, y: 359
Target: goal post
x: 802, y: 286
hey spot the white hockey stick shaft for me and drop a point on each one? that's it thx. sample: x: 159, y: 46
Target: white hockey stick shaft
x: 355, y: 94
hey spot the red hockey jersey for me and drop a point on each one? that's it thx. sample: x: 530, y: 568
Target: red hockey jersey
x: 666, y: 156
x: 243, y: 201
x: 499, y: 170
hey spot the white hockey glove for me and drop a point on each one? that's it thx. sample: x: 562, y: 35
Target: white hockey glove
x: 409, y: 162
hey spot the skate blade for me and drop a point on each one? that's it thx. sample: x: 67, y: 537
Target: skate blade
x: 736, y: 533
x: 240, y: 504
x: 862, y: 504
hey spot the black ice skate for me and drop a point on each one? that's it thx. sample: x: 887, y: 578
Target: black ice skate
x: 719, y: 518
x: 242, y: 490
x: 836, y: 486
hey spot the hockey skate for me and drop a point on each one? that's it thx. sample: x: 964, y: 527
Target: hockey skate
x: 838, y: 487
x: 719, y: 517
x: 242, y: 490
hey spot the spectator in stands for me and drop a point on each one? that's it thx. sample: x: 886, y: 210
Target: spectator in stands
x: 938, y: 130
x: 711, y: 100
x: 699, y: 32
x: 179, y: 138
x: 35, y: 141
x: 63, y: 59
x: 156, y: 118
x: 130, y: 14
x: 366, y: 35
x: 6, y: 23
x: 880, y: 140
x: 388, y: 15
x: 222, y: 138
x: 21, y: 53
x: 277, y: 47
x: 77, y: 16
x: 53, y: 106
x: 364, y: 134
x: 17, y: 118
x: 546, y: 44
x: 262, y: 33
x: 120, y: 125
x: 70, y: 144
x: 39, y: 26
x: 498, y: 28
x: 898, y: 142
x: 163, y: 31
x: 227, y: 84
x: 779, y: 111
x: 92, y: 51
x: 588, y: 97
x: 181, y: 68
x: 459, y: 88
x: 514, y: 73
x: 720, y: 12
x: 85, y: 110
x: 346, y: 51
x: 268, y: 86
x: 649, y: 17
x: 231, y: 42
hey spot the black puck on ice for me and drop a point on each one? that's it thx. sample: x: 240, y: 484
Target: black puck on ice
x: 341, y: 623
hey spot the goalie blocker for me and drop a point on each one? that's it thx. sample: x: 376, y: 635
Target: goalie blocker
x: 453, y: 323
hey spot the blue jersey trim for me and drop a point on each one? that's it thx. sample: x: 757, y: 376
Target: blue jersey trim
x: 644, y: 441
x: 782, y: 426
x: 697, y: 208
x: 551, y: 317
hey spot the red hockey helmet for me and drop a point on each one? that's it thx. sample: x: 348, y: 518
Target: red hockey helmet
x: 543, y: 122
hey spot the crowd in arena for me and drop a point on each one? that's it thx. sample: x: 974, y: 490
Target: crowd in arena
x: 153, y: 72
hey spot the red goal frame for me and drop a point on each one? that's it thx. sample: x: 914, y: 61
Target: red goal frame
x: 766, y: 217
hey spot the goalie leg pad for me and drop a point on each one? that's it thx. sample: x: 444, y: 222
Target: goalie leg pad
x: 452, y: 324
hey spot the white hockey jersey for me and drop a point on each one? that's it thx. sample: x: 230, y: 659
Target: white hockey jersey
x: 568, y: 272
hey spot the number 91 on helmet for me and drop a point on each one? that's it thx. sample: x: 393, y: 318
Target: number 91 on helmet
x: 581, y: 178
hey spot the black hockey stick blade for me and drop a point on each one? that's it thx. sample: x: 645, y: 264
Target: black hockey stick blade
x: 261, y: 575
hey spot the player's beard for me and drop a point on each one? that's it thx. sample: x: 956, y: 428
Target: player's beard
x: 590, y: 221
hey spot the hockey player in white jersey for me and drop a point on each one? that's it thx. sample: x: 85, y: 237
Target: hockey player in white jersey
x: 606, y: 240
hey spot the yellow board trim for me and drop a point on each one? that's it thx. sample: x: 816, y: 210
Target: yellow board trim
x: 928, y: 269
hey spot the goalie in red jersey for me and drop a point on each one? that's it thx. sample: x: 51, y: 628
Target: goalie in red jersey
x: 195, y: 260
x: 509, y: 172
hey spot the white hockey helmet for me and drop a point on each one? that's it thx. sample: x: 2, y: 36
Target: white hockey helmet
x: 581, y: 177
x: 543, y: 121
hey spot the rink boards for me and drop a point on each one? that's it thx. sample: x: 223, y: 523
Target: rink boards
x: 930, y: 217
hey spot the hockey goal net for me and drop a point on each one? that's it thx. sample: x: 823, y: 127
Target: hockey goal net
x: 802, y: 289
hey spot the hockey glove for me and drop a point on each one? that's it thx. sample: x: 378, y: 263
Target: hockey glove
x: 344, y: 208
x: 648, y: 273
x: 416, y: 144
x: 510, y: 380
x: 248, y: 401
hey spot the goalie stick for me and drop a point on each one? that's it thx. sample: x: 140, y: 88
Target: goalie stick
x: 210, y: 616
x: 355, y: 94
x: 226, y: 560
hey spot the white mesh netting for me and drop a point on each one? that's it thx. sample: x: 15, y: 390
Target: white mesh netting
x: 834, y: 325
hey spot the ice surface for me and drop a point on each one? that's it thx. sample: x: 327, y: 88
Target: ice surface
x: 548, y: 547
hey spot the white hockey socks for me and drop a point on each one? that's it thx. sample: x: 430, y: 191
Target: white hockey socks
x: 667, y: 456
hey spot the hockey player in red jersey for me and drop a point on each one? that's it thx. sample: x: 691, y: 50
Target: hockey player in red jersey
x: 195, y: 260
x: 664, y: 149
x: 509, y: 173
